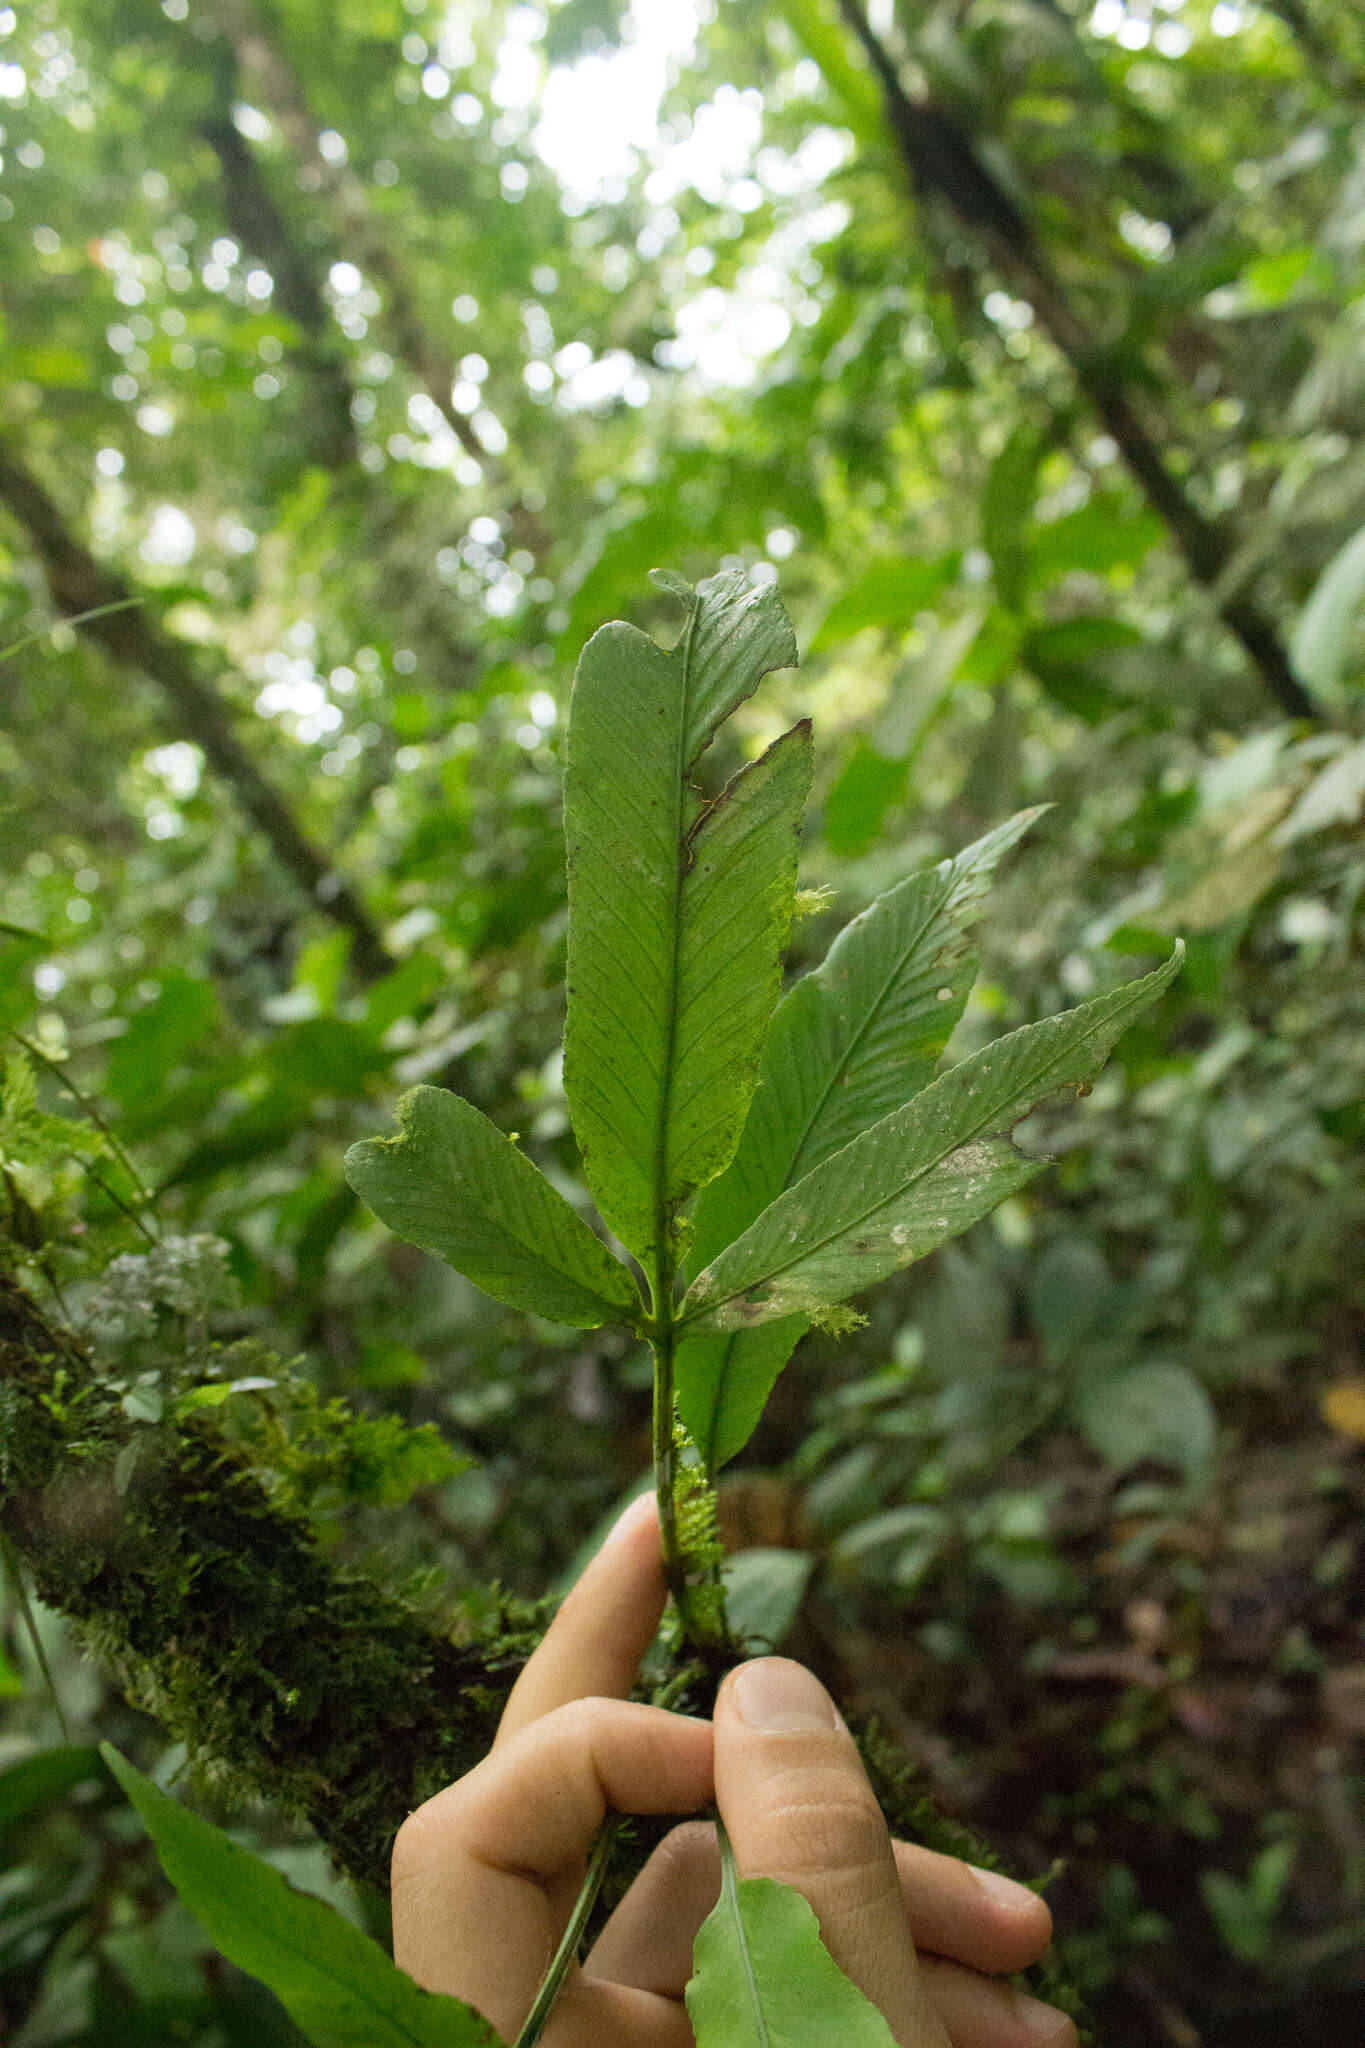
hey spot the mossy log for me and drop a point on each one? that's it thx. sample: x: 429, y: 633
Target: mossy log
x: 288, y: 1676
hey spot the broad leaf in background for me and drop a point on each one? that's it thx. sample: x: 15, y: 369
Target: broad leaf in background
x: 678, y: 910
x: 179, y: 1017
x: 764, y: 1979
x: 1321, y: 646
x: 849, y: 1044
x: 1006, y: 511
x: 40, y: 1780
x: 336, y: 1984
x: 456, y: 1185
x: 764, y: 1588
x: 920, y: 1176
x: 889, y: 593
x: 1156, y: 1410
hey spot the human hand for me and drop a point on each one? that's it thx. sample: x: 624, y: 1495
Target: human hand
x: 485, y: 1874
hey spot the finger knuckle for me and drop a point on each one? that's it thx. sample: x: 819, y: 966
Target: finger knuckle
x: 582, y: 1722
x: 688, y: 1849
x: 832, y: 1828
x: 411, y: 1848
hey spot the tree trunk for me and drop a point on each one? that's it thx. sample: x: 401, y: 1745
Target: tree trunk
x: 942, y: 160
x: 79, y: 583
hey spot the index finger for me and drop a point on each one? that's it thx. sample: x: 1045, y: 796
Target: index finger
x: 592, y: 1648
x: 485, y: 1873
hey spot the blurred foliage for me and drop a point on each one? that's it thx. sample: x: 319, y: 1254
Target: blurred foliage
x: 379, y: 351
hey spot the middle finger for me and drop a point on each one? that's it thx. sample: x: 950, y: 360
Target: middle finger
x: 973, y: 1917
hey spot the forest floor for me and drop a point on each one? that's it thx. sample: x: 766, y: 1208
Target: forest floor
x: 1189, y: 1751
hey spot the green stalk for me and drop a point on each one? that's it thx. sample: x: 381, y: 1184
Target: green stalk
x: 567, y: 1952
x: 690, y: 1576
x: 14, y: 1578
x: 662, y: 1339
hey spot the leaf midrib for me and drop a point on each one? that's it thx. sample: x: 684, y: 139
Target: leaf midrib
x: 670, y: 1045
x: 843, y: 1065
x: 708, y: 1308
x: 742, y: 1944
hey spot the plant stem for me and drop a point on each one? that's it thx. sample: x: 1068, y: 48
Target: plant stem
x: 662, y: 1341
x: 567, y: 1952
x: 14, y: 1578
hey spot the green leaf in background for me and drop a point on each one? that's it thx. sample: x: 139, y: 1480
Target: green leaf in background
x: 336, y: 1984
x: 179, y: 1017
x: 877, y: 772
x: 1157, y: 1410
x: 1068, y: 659
x: 678, y: 909
x: 1321, y: 645
x: 849, y: 1044
x: 764, y: 1588
x: 860, y: 796
x: 36, y: 1781
x: 1104, y: 534
x: 1006, y: 511
x: 764, y: 1979
x: 920, y: 1176
x: 852, y: 83
x: 456, y: 1185
x: 889, y: 593
x: 1245, y: 1913
x: 1069, y: 1291
x: 964, y: 1314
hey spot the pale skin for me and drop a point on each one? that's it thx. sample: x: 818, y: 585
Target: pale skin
x: 486, y: 1872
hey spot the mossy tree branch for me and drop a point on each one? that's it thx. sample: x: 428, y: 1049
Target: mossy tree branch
x: 293, y: 1678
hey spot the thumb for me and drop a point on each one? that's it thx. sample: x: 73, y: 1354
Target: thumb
x: 796, y: 1802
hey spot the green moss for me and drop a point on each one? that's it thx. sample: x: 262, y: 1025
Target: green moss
x: 288, y: 1677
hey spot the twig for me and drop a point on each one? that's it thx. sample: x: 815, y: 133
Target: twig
x: 100, y: 611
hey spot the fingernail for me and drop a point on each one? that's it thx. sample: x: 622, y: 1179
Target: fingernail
x: 776, y: 1697
x: 1044, y: 2022
x: 641, y: 1509
x: 1004, y: 1890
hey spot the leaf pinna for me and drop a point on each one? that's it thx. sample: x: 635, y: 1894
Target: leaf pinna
x: 456, y: 1185
x: 678, y: 909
